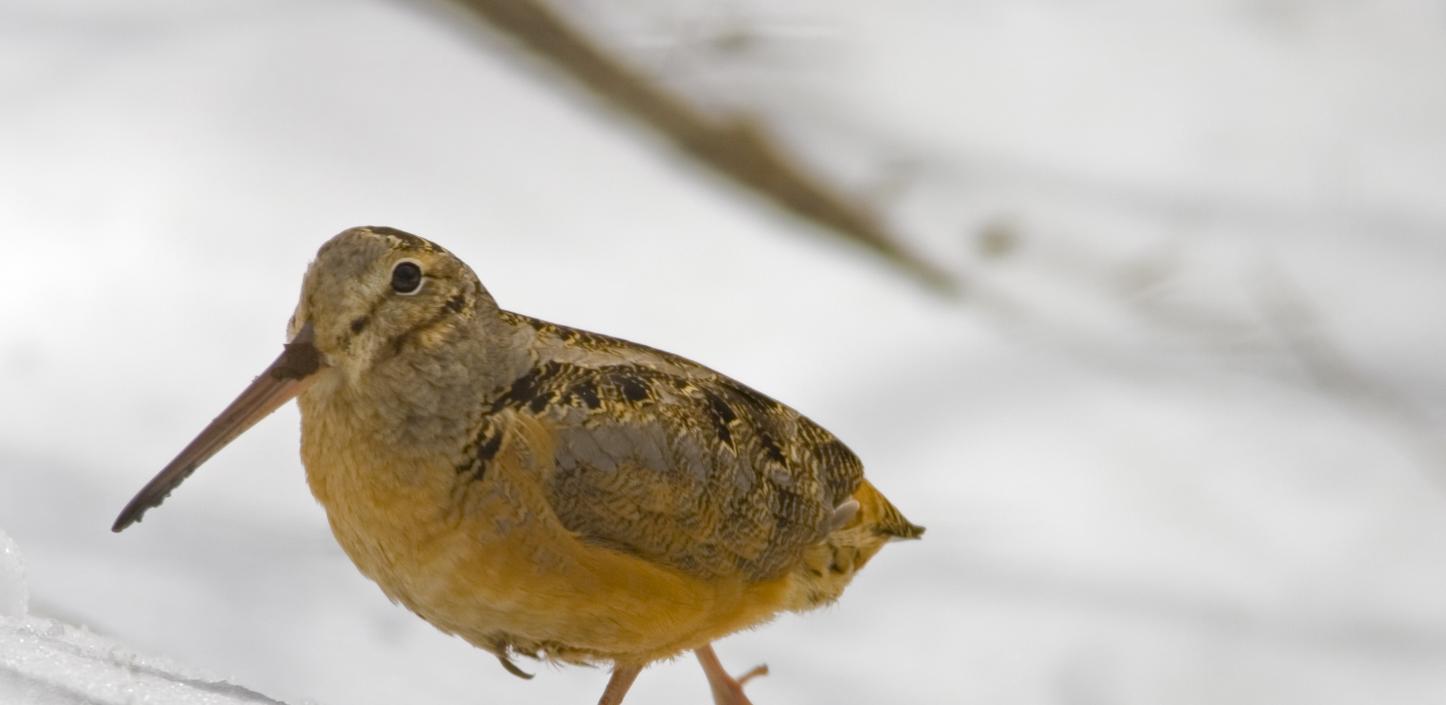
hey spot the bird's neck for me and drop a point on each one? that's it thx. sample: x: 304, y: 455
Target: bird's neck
x: 428, y: 398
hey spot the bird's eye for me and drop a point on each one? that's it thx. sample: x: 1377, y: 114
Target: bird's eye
x: 407, y: 277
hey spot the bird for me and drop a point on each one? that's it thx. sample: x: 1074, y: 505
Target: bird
x: 544, y: 491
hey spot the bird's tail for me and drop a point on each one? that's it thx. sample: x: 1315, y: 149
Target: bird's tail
x: 878, y: 513
x: 829, y: 565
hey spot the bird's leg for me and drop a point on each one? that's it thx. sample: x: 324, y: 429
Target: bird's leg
x: 726, y: 689
x: 623, y: 677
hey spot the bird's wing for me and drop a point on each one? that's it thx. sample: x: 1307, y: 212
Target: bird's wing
x: 668, y: 460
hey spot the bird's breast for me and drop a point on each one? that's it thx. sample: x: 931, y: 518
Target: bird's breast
x: 386, y: 506
x: 459, y: 551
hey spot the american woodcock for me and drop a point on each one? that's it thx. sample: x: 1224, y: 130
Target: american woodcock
x: 544, y: 491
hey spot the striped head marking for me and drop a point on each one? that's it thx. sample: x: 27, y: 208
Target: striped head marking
x: 374, y: 292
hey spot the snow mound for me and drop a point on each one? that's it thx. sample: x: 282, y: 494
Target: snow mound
x: 44, y: 662
x: 13, y: 595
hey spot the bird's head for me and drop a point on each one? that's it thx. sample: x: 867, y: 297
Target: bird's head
x: 372, y: 296
x: 374, y: 293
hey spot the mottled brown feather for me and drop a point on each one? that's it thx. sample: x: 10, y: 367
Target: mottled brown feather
x: 669, y: 460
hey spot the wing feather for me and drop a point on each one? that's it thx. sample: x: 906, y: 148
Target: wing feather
x: 666, y: 459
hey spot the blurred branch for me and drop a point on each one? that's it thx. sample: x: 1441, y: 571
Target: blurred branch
x: 1289, y: 314
x: 738, y: 148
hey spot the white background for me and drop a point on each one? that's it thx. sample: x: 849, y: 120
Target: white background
x: 1180, y: 444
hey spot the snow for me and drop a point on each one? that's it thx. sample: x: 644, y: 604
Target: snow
x: 1179, y: 444
x: 47, y: 662
x: 13, y: 596
x: 44, y: 662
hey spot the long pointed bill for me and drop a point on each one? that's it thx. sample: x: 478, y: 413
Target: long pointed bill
x: 292, y: 372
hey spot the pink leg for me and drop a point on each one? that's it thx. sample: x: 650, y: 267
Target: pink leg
x: 726, y: 690
x: 623, y: 677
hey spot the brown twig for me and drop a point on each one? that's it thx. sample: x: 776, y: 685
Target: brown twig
x: 738, y: 148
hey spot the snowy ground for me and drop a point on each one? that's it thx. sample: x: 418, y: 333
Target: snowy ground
x: 45, y: 662
x: 1179, y: 443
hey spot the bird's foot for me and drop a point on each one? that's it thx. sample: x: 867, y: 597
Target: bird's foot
x: 727, y: 690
